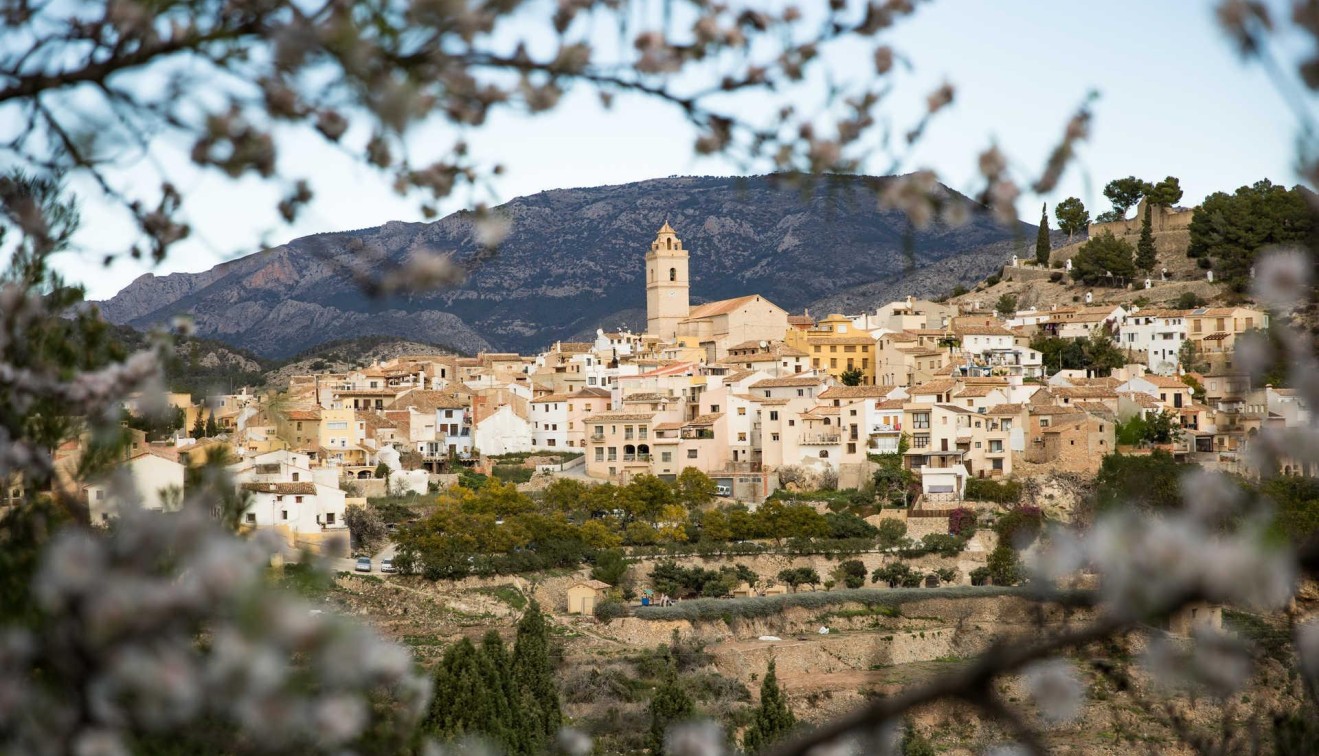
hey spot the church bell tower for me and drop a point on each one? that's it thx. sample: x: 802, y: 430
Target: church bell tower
x: 667, y: 285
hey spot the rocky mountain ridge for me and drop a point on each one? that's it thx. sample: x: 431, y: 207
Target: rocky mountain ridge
x: 572, y: 261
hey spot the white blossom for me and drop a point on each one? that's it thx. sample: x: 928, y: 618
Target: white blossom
x: 1056, y: 689
x: 1283, y: 278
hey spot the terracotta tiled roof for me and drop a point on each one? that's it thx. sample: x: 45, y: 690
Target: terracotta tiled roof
x: 973, y: 392
x: 788, y: 381
x: 302, y: 414
x: 703, y: 420
x: 1166, y: 381
x: 722, y: 307
x: 890, y: 404
x: 933, y: 387
x: 798, y: 320
x: 429, y: 401
x: 1084, y: 392
x: 855, y: 392
x: 647, y: 396
x: 1005, y: 410
x: 281, y: 488
x: 621, y: 417
x: 1097, y: 409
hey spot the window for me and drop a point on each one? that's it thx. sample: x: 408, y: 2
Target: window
x: 642, y: 432
x: 791, y: 423
x: 773, y: 414
x: 283, y: 514
x: 673, y: 274
x: 691, y: 454
x: 599, y: 430
x: 774, y: 437
x: 295, y: 477
x: 833, y: 349
x: 250, y: 518
x: 613, y: 453
x: 599, y: 454
x: 1007, y: 424
x: 997, y: 464
x: 920, y: 440
x: 100, y: 495
x: 851, y: 448
x: 995, y: 446
x: 741, y: 411
x: 920, y: 420
x: 742, y: 437
x: 853, y: 412
x: 1044, y: 422
x: 666, y: 456
x: 849, y: 348
x: 297, y: 499
x: 801, y: 392
x: 714, y: 408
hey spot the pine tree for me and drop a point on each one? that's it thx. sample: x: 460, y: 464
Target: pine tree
x: 669, y: 706
x: 772, y: 720
x: 1146, y: 256
x: 536, y: 695
x: 212, y: 430
x: 1042, y: 244
x: 198, y: 427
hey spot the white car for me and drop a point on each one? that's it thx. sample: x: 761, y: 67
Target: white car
x: 387, y: 565
x: 723, y: 491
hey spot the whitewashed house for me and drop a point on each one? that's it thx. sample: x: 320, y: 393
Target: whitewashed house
x: 502, y: 432
x: 157, y: 480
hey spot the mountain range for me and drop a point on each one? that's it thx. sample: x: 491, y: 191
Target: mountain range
x: 572, y: 261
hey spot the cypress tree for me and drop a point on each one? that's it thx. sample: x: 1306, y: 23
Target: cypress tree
x: 536, y: 696
x: 469, y: 700
x: 198, y: 427
x: 669, y: 706
x: 1146, y: 257
x: 1042, y: 245
x: 772, y: 720
x: 212, y: 430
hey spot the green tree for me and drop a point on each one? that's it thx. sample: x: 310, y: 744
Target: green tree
x: 1103, y: 255
x: 851, y: 573
x: 1146, y: 255
x: 851, y: 376
x: 1003, y: 564
x: 533, y: 680
x: 1072, y: 216
x: 715, y: 527
x: 1147, y: 481
x: 892, y: 533
x: 198, y: 427
x: 365, y: 528
x: 382, y: 470
x: 1190, y: 359
x: 772, y: 719
x: 695, y: 488
x: 212, y: 430
x: 1042, y: 244
x: 669, y: 706
x: 1124, y: 193
x: 1230, y: 229
x: 1101, y: 353
x: 1166, y: 193
x: 471, y: 699
x: 1189, y: 300
x: 1006, y: 304
x: 610, y: 566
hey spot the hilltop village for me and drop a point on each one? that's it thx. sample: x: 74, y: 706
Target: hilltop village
x: 752, y: 396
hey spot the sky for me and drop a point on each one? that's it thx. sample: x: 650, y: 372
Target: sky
x: 1174, y: 100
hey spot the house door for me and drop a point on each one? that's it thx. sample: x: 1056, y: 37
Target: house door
x: 943, y: 444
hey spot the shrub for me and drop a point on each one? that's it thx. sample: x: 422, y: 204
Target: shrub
x: 772, y: 606
x: 897, y: 574
x: 1056, y: 276
x: 983, y: 489
x: 979, y: 576
x: 610, y: 609
x: 962, y: 522
x: 891, y: 533
x: 1018, y: 527
x: 852, y: 573
x: 1003, y: 566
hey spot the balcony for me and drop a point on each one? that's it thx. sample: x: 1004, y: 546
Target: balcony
x: 878, y: 429
x: 820, y: 438
x: 643, y: 458
x: 597, y: 438
x: 697, y: 434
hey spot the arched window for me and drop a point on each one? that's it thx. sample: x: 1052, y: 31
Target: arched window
x: 673, y: 274
x: 669, y: 242
x: 824, y: 454
x: 629, y: 449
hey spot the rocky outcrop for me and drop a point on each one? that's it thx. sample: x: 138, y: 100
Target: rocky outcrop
x: 572, y: 261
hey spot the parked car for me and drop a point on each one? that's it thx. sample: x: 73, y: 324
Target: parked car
x: 723, y: 491
x: 387, y: 565
x: 363, y: 564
